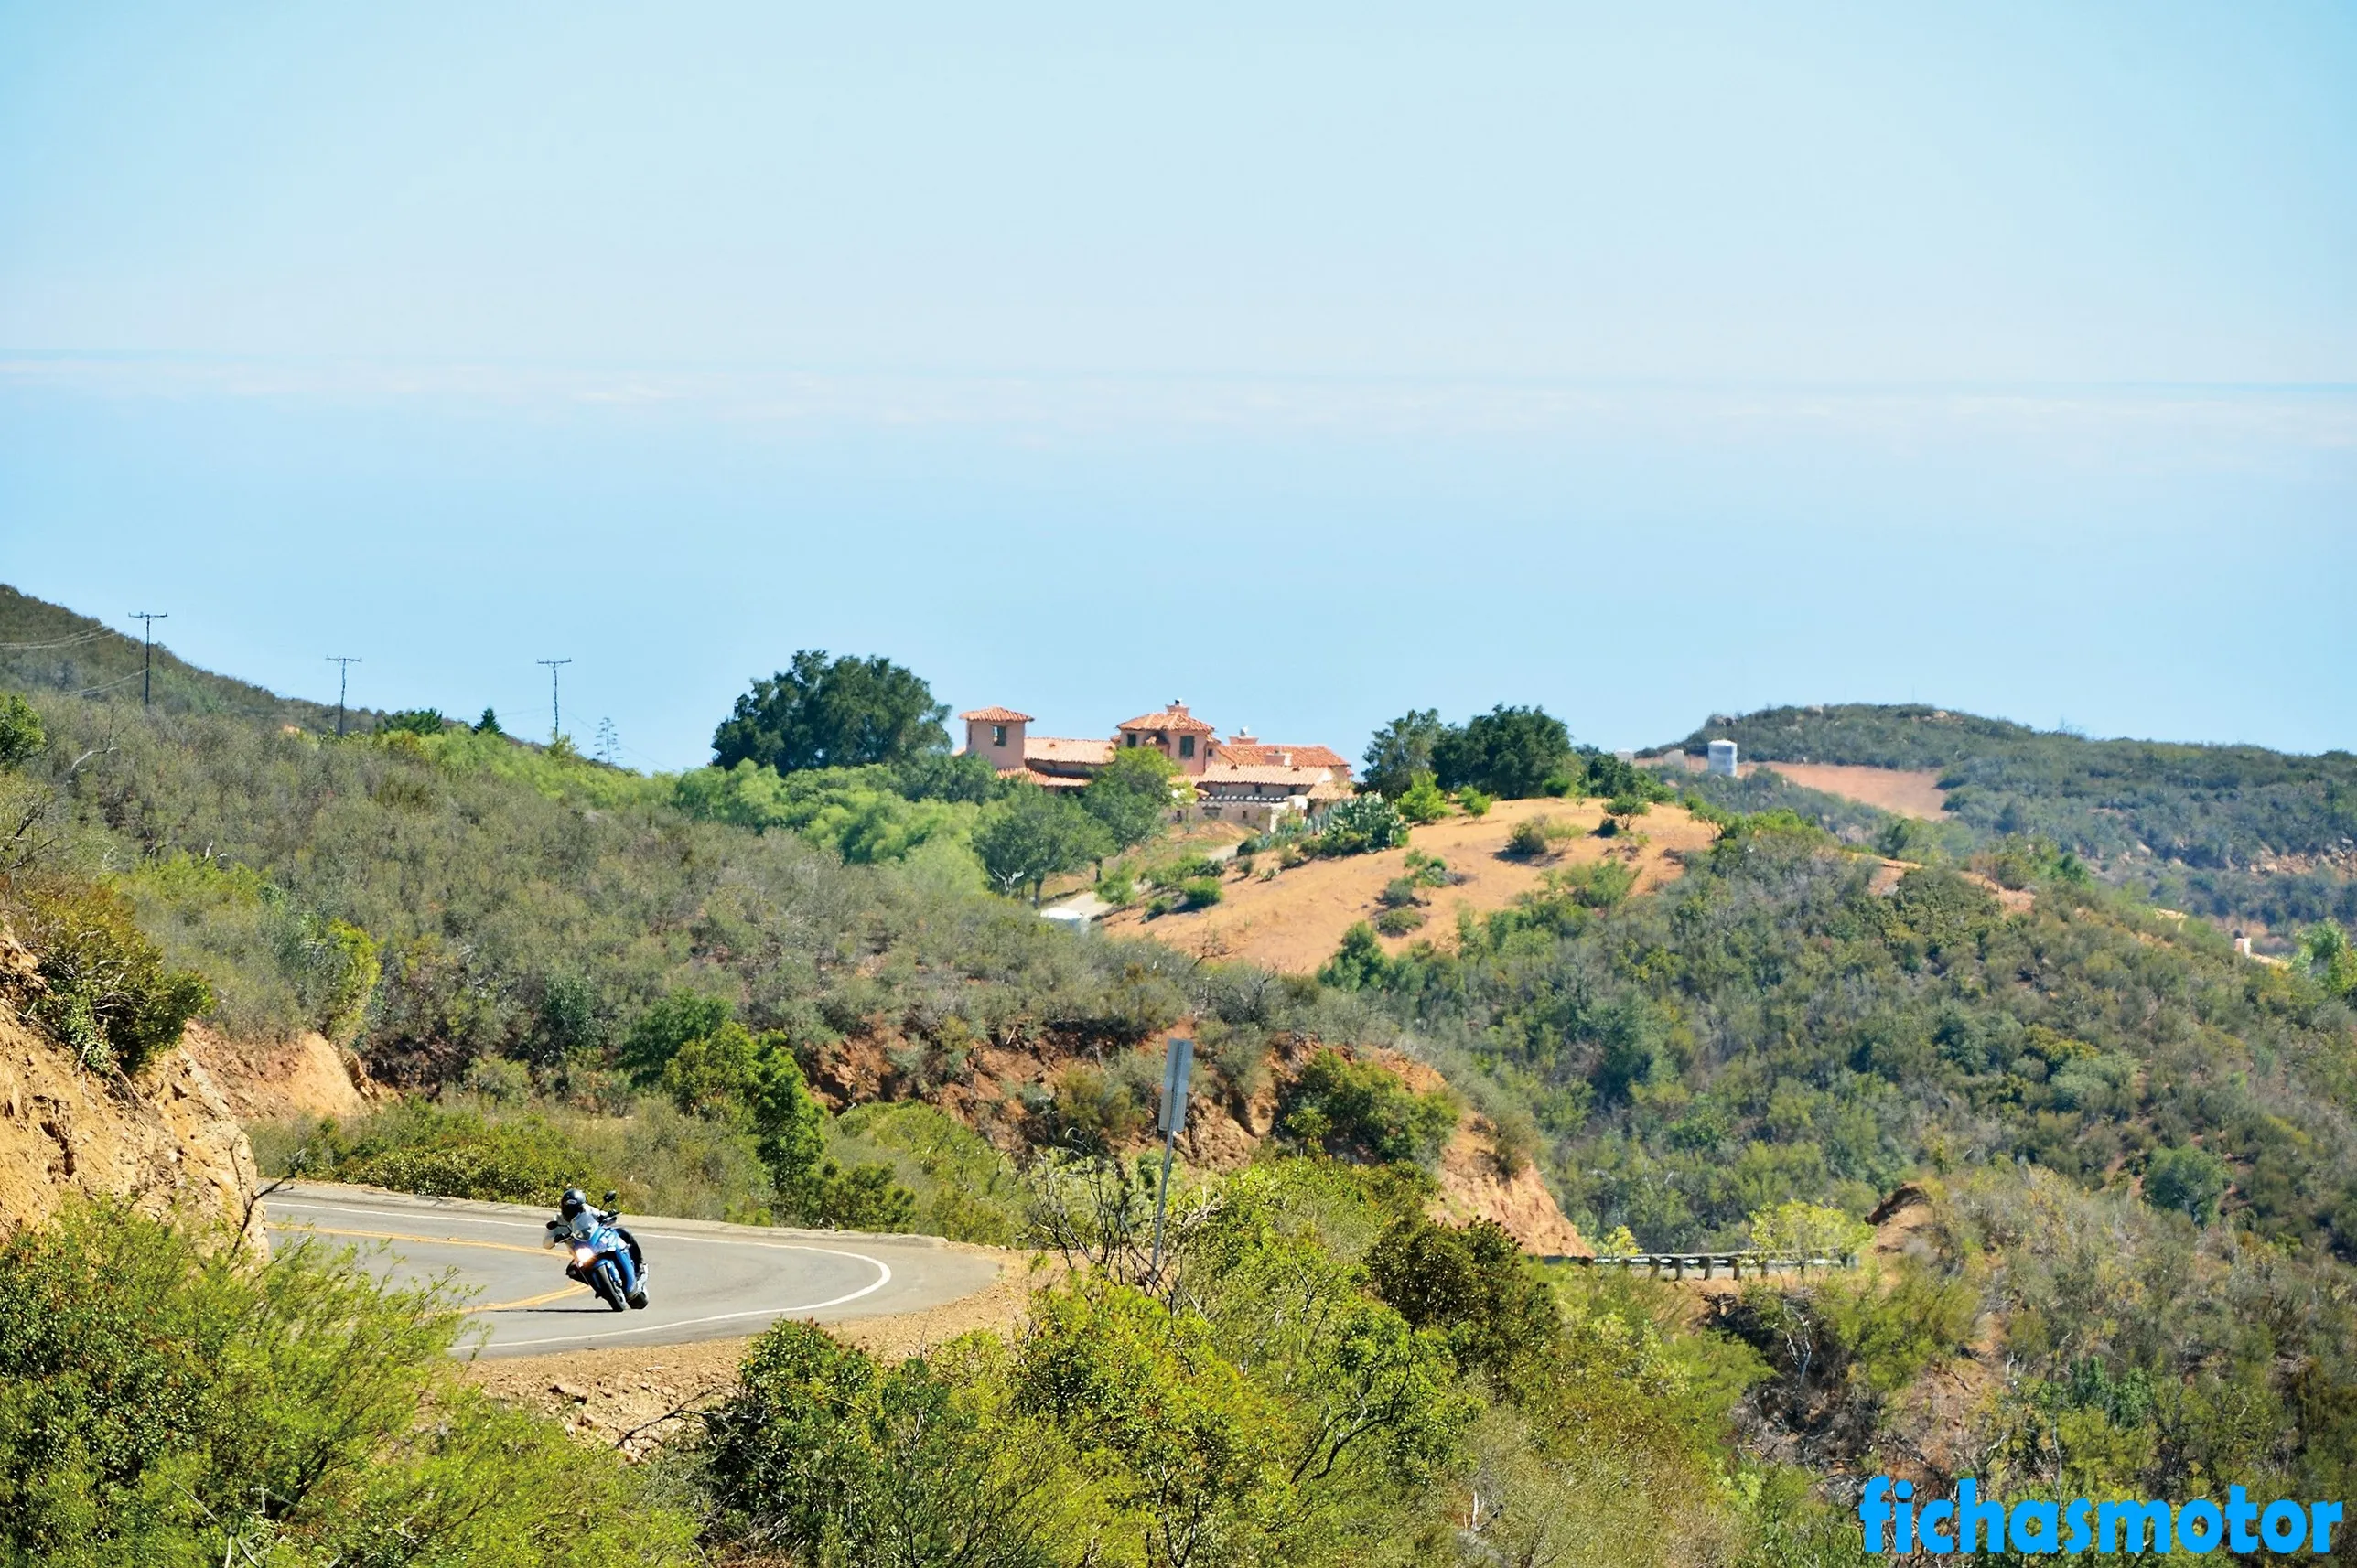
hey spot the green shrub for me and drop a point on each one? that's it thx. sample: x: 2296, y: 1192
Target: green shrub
x: 1473, y: 1284
x: 1200, y: 892
x: 1176, y: 873
x: 1625, y: 806
x: 1362, y: 1110
x: 1422, y: 802
x: 2188, y: 1180
x: 422, y: 1148
x: 824, y: 1455
x: 1529, y: 839
x: 1400, y: 893
x: 1474, y: 803
x: 1092, y: 1112
x: 1360, y: 825
x: 106, y: 992
x: 413, y: 721
x: 167, y: 1397
x: 963, y: 1189
x: 1401, y: 920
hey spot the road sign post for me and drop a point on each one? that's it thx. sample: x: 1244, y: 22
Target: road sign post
x: 1177, y: 1072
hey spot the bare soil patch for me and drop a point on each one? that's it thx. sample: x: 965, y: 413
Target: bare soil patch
x: 1907, y: 791
x: 1294, y: 921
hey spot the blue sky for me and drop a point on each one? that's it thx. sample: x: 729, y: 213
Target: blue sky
x: 1643, y: 364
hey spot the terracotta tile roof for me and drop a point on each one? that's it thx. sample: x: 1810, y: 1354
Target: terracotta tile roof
x: 1174, y: 718
x: 1067, y: 750
x: 1258, y: 754
x: 1262, y: 773
x: 996, y: 716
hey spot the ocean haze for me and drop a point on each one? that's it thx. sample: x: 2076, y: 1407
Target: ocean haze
x: 1643, y: 365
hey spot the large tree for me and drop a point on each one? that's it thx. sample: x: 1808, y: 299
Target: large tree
x: 1034, y: 835
x: 1507, y: 752
x: 1132, y: 796
x: 1401, y: 750
x: 833, y: 712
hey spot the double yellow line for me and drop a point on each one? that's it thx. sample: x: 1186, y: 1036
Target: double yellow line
x: 574, y: 1289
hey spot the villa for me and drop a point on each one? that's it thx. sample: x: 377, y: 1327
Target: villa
x: 1242, y: 779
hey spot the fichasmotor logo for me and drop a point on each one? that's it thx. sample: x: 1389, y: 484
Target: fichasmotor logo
x: 1895, y: 1520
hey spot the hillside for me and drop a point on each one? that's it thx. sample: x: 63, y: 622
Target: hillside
x: 1291, y: 919
x: 47, y: 647
x: 2139, y: 1146
x: 2237, y: 832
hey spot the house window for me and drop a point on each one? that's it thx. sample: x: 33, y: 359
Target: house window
x: 1185, y: 746
x: 1129, y: 738
x: 998, y: 735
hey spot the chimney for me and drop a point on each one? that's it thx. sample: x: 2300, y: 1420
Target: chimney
x: 1285, y: 760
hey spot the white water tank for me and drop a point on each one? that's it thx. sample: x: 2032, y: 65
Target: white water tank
x: 1722, y: 757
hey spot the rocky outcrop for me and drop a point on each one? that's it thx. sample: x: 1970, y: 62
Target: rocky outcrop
x: 166, y: 1141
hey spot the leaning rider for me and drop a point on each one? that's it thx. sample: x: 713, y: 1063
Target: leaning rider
x: 577, y: 1223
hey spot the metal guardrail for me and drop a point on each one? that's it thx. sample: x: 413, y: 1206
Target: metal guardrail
x: 1709, y: 1263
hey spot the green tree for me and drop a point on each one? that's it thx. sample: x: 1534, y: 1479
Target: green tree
x: 1797, y: 1229
x: 2330, y: 957
x: 1506, y: 752
x: 2190, y: 1180
x: 489, y: 723
x: 1034, y: 835
x: 663, y: 1029
x: 1402, y: 749
x: 841, y: 713
x: 21, y: 736
x: 1473, y: 1285
x: 1132, y: 796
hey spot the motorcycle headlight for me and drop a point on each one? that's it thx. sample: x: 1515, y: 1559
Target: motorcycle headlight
x: 581, y: 1255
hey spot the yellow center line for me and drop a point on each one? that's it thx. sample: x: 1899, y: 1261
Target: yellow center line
x: 574, y: 1289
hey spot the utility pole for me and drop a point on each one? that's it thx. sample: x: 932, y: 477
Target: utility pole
x: 147, y: 665
x: 343, y: 663
x: 556, y: 713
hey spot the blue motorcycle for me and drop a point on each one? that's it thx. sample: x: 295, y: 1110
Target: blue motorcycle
x: 603, y: 1254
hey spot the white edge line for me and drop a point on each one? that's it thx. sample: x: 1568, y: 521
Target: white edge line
x: 883, y: 1269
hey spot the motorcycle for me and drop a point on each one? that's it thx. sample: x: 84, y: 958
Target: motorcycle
x: 603, y: 1256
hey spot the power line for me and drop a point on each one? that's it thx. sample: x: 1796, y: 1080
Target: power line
x: 343, y: 663
x: 147, y: 618
x: 555, y: 714
x: 81, y: 636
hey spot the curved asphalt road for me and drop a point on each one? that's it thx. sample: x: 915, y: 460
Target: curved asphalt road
x: 705, y: 1280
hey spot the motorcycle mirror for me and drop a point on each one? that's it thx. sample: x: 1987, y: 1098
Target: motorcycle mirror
x: 610, y: 1196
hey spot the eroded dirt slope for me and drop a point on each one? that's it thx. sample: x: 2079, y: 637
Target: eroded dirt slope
x: 167, y: 1141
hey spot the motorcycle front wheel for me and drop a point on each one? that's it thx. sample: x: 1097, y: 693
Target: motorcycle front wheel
x: 609, y: 1285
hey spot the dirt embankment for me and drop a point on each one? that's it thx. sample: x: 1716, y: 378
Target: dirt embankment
x: 167, y: 1141
x: 273, y: 1080
x: 1294, y: 921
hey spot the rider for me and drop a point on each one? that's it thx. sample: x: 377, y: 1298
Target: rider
x: 577, y: 1223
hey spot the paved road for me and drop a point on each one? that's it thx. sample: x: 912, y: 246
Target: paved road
x: 704, y: 1280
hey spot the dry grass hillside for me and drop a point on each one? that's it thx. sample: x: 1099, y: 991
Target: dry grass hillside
x: 1294, y: 921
